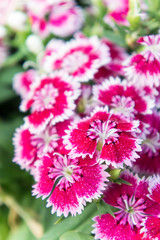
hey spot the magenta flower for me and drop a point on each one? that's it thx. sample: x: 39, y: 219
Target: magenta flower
x: 149, y: 161
x: 122, y: 98
x: 62, y: 18
x: 65, y: 18
x: 80, y: 58
x: 132, y: 205
x: 144, y: 68
x: 152, y: 223
x: 80, y: 180
x: 22, y: 82
x: 52, y: 98
x: 109, y: 133
x: 29, y: 146
x: 118, y: 11
x: 114, y: 67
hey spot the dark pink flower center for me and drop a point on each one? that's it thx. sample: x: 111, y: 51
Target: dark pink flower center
x: 131, y: 210
x: 106, y: 132
x: 65, y: 169
x: 45, y: 98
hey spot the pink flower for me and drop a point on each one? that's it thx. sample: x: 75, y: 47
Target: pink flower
x: 132, y: 206
x: 52, y: 98
x: 149, y: 161
x: 113, y: 68
x: 118, y: 11
x: 152, y: 223
x: 80, y: 58
x: 80, y: 180
x: 62, y: 18
x: 22, y: 82
x: 29, y: 146
x: 144, y: 68
x: 122, y: 98
x: 109, y: 133
x: 66, y: 18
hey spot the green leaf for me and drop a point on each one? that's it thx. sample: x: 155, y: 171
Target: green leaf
x: 80, y: 223
x: 106, y: 208
x: 6, y: 94
x: 6, y: 74
x: 115, y: 37
x: 120, y: 181
x: 3, y: 231
x: 22, y: 232
x: 76, y: 235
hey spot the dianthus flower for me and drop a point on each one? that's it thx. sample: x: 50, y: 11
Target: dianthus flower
x: 123, y: 98
x: 62, y: 17
x: 80, y: 180
x: 80, y: 58
x: 109, y: 133
x: 65, y: 18
x: 149, y: 161
x: 51, y: 98
x: 117, y: 11
x: 144, y: 68
x: 152, y: 223
x: 133, y: 205
x: 29, y: 146
x: 114, y: 67
x: 22, y: 82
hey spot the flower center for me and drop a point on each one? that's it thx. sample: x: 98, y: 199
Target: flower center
x: 151, y: 144
x: 104, y: 132
x: 74, y: 61
x: 45, y: 141
x: 65, y: 169
x: 123, y: 105
x: 45, y: 98
x: 131, y: 211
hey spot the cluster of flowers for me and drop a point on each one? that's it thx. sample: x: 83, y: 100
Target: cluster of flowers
x: 93, y: 110
x: 70, y: 151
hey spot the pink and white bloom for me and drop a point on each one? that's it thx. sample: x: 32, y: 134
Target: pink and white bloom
x: 123, y: 98
x: 117, y: 11
x: 22, y: 82
x: 51, y: 98
x: 114, y: 67
x: 80, y: 181
x: 151, y: 225
x: 112, y: 135
x: 65, y: 18
x: 149, y: 161
x: 144, y: 68
x: 133, y: 205
x: 62, y: 18
x: 80, y: 58
x: 29, y: 146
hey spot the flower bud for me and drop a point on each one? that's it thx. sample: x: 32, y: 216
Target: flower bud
x: 17, y: 20
x: 34, y: 44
